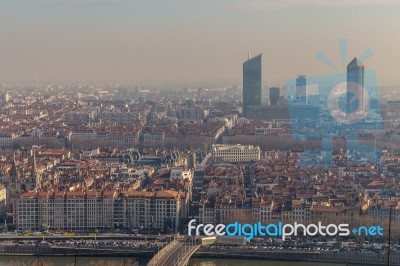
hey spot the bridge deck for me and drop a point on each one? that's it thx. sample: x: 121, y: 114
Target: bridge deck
x: 176, y: 253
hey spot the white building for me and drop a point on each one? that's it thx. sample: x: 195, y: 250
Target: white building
x: 91, y: 210
x: 70, y: 210
x: 153, y: 210
x: 235, y: 153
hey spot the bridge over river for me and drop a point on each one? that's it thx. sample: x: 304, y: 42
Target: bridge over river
x: 179, y: 251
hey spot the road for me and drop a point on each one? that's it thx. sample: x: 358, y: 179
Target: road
x: 172, y: 256
x: 9, y: 236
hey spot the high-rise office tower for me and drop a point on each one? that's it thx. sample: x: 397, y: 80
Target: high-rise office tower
x: 274, y: 94
x: 301, y: 88
x: 355, y: 85
x: 251, y: 83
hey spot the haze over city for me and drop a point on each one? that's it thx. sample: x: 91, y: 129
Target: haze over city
x: 200, y: 132
x: 191, y: 42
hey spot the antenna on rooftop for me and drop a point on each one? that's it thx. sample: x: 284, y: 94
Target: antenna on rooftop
x: 248, y: 54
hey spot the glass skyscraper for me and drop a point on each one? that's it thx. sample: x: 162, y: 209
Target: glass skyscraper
x: 274, y: 94
x: 355, y: 85
x: 301, y: 88
x: 251, y: 83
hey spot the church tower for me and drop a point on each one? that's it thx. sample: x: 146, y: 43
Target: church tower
x: 34, y: 178
x: 14, y: 171
x: 14, y: 177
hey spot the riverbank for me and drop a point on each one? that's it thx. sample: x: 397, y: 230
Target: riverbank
x: 371, y: 259
x: 354, y: 258
x: 70, y: 261
x: 115, y: 261
x: 238, y: 262
x: 71, y: 251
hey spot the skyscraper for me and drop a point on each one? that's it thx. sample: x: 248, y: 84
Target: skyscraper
x: 355, y: 85
x: 251, y: 83
x: 301, y: 88
x: 274, y: 94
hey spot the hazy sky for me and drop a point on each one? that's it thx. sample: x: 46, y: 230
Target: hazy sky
x: 191, y: 40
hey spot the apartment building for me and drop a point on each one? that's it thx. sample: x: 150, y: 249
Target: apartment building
x: 6, y: 140
x: 206, y: 213
x: 332, y: 214
x: 384, y: 210
x: 105, y: 210
x: 72, y: 210
x: 153, y: 210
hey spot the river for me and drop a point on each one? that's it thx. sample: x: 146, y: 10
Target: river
x: 236, y: 262
x: 69, y: 261
x: 117, y: 261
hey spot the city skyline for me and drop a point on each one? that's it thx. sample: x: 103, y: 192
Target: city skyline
x: 100, y: 41
x: 157, y: 131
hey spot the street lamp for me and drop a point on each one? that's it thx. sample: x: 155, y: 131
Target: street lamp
x: 390, y: 232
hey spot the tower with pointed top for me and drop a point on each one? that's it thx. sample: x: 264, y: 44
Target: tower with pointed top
x: 34, y: 177
x: 13, y: 183
x: 14, y: 171
x: 355, y: 84
x: 14, y: 177
x: 251, y: 83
